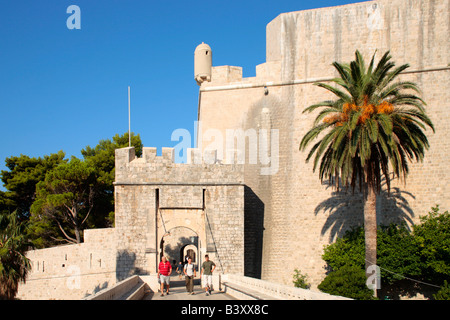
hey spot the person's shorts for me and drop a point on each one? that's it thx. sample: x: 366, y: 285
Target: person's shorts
x: 164, y: 279
x: 207, y: 280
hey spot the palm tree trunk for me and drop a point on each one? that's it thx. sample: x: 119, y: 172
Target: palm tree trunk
x: 370, y: 228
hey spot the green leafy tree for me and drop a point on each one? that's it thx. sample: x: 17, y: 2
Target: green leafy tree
x: 102, y: 156
x: 21, y: 178
x: 6, y: 203
x: 432, y: 236
x: 102, y: 159
x: 66, y: 198
x: 372, y: 128
x: 14, y: 265
x: 44, y: 232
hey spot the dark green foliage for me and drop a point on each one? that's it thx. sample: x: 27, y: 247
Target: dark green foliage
x: 433, y: 239
x: 443, y: 293
x: 66, y: 196
x: 398, y: 252
x: 6, y: 203
x: 102, y: 159
x: 14, y: 265
x: 348, y: 250
x: 348, y: 281
x: 421, y: 253
x: 21, y: 179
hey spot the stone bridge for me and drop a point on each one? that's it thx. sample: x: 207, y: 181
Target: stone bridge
x: 225, y: 287
x: 170, y: 209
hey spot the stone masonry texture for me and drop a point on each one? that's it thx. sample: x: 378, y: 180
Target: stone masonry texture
x: 251, y: 223
x: 299, y: 215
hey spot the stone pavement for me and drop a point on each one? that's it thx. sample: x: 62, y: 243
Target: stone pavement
x: 178, y: 291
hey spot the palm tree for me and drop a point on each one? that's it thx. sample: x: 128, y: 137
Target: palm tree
x: 372, y: 128
x: 14, y: 265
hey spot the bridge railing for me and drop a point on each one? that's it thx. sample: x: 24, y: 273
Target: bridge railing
x: 240, y: 287
x: 247, y: 288
x: 132, y: 288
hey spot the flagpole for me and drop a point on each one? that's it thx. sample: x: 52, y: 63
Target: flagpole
x: 129, y: 119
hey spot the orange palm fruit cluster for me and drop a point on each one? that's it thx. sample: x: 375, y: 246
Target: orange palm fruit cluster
x: 368, y: 110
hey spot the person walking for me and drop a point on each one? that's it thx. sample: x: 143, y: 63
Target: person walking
x: 180, y: 269
x: 206, y: 274
x: 190, y: 273
x: 164, y: 271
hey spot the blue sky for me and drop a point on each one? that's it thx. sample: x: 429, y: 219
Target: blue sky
x: 63, y: 89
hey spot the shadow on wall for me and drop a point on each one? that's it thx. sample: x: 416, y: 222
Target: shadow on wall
x: 126, y: 265
x: 175, y: 252
x: 346, y: 210
x: 97, y: 288
x: 253, y: 233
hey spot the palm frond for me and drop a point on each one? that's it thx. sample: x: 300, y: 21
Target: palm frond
x: 373, y: 127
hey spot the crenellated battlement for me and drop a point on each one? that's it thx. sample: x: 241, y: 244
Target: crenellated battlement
x: 149, y: 155
x: 283, y: 209
x: 154, y: 169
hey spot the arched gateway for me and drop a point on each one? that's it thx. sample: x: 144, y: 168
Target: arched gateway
x: 180, y: 242
x: 165, y: 208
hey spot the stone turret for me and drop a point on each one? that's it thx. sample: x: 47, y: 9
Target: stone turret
x: 202, y: 63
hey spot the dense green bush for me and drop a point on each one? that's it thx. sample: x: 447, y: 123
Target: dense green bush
x: 397, y: 252
x: 443, y: 293
x: 348, y: 250
x: 422, y: 253
x: 348, y: 281
x: 432, y: 236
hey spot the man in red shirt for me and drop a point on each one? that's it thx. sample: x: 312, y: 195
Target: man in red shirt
x: 164, y: 271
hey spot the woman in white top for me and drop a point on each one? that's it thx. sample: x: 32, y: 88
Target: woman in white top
x: 190, y: 274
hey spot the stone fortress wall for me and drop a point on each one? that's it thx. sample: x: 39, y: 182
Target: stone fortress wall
x: 72, y: 271
x: 154, y: 196
x: 161, y: 207
x: 300, y: 214
x: 252, y: 223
